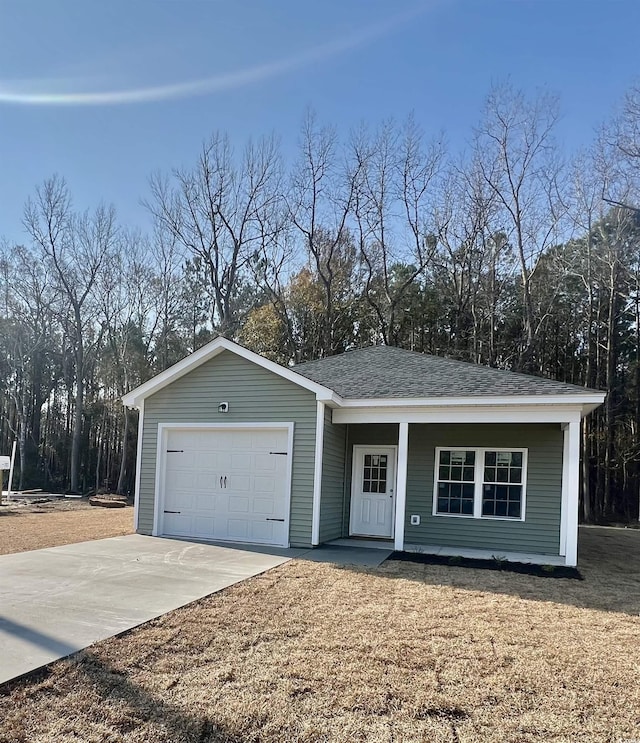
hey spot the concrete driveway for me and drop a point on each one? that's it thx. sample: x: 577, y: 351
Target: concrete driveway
x: 56, y: 601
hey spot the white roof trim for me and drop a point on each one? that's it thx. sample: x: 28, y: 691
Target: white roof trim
x: 588, y: 398
x: 211, y: 350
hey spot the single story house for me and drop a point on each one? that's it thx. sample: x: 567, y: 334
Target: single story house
x: 382, y: 445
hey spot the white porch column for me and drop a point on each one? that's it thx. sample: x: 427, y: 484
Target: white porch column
x: 317, y: 475
x: 401, y: 484
x: 570, y: 493
x: 136, y: 496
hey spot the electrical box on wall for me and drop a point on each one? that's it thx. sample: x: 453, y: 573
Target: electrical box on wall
x: 415, y: 519
x: 223, y: 407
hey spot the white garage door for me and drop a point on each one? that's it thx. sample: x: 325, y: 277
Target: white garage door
x: 227, y: 484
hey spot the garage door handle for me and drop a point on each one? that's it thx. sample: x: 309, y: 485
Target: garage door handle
x: 284, y: 453
x: 175, y: 451
x: 274, y: 520
x: 173, y: 511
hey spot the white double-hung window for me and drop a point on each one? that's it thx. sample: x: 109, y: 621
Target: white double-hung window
x: 481, y: 483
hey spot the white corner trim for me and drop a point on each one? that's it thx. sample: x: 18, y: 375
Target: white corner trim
x: 317, y: 474
x: 210, y: 351
x: 402, y: 461
x: 136, y: 492
x: 159, y: 480
x: 572, y: 472
x: 564, y: 498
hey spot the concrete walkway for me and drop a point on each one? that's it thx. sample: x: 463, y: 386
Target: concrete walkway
x: 56, y: 601
x: 355, y: 556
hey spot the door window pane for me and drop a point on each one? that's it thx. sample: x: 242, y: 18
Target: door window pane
x: 374, y: 473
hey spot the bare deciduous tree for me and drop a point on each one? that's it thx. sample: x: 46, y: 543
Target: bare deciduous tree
x: 320, y: 200
x: 76, y: 248
x: 212, y: 210
x: 394, y: 174
x: 518, y: 160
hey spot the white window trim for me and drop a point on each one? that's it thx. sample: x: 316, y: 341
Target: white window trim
x: 479, y: 482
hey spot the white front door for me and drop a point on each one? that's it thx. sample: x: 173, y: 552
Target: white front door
x: 373, y: 484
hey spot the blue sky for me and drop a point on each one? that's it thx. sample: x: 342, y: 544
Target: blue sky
x: 252, y: 67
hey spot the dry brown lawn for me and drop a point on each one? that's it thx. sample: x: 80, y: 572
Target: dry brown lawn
x: 312, y: 652
x: 59, y: 522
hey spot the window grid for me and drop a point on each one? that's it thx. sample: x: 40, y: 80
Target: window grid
x: 498, y: 497
x: 456, y: 482
x: 510, y: 467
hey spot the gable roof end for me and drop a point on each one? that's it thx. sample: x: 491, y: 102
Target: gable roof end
x: 134, y: 398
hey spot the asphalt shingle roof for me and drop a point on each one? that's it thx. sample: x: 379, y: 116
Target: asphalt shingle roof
x: 387, y: 372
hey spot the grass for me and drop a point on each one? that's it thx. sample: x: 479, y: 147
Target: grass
x: 311, y: 652
x: 54, y: 524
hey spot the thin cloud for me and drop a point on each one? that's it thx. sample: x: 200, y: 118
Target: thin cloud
x: 205, y: 86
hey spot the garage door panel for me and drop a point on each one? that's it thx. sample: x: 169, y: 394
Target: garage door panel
x: 223, y: 461
x: 237, y: 529
x: 240, y: 483
x: 241, y: 440
x: 206, y: 482
x: 263, y: 506
x: 238, y: 504
x: 181, y: 458
x: 266, y: 462
x: 268, y: 531
x: 204, y: 460
x: 242, y: 461
x: 271, y: 440
x: 183, y: 440
x: 264, y: 484
x: 180, y: 479
x: 205, y: 503
x: 225, y: 484
x: 178, y: 524
x: 180, y: 500
x: 204, y: 527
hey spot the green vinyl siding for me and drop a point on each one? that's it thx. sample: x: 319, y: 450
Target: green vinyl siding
x: 255, y: 395
x: 332, y: 493
x: 539, y: 533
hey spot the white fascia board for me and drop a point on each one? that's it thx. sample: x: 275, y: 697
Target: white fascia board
x: 460, y: 414
x: 211, y: 350
x: 586, y: 400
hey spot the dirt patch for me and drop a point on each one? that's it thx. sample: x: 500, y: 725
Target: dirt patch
x: 30, y: 526
x: 310, y: 652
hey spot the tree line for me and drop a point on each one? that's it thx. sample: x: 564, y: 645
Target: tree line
x: 514, y: 253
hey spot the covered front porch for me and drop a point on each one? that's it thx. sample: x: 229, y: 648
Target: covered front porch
x: 435, y: 486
